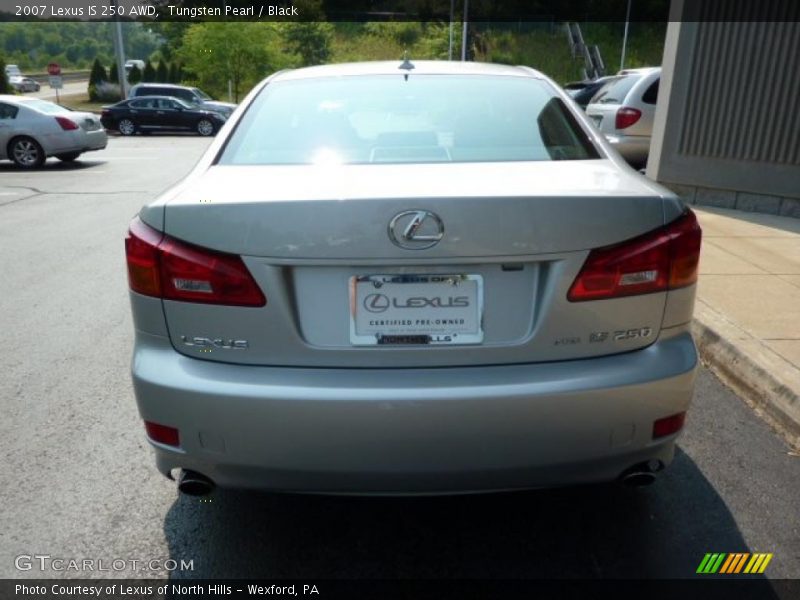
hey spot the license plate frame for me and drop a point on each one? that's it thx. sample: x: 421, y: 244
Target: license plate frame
x: 461, y: 324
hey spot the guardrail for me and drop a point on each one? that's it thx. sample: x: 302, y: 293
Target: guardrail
x: 70, y: 76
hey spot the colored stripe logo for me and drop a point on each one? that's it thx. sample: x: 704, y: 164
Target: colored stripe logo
x: 737, y: 562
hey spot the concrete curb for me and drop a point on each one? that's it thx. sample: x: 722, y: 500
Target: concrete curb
x: 764, y: 379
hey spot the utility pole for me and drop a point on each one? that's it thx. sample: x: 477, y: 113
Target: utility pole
x: 625, y: 37
x: 464, y: 33
x: 119, y: 50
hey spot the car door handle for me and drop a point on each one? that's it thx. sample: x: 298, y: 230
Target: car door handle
x: 159, y: 112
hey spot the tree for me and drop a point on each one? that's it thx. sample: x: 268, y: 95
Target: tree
x: 134, y: 75
x: 162, y: 73
x: 96, y: 76
x: 4, y: 87
x: 174, y: 73
x: 311, y: 41
x: 240, y: 52
x: 149, y: 74
x: 113, y: 74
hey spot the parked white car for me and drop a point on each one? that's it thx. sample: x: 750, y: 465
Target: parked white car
x: 19, y: 82
x: 31, y: 130
x: 624, y: 111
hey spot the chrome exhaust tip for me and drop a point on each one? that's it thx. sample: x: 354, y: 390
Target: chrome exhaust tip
x: 194, y: 484
x: 643, y: 474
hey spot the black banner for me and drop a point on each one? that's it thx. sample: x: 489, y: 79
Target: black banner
x: 396, y: 10
x: 738, y: 588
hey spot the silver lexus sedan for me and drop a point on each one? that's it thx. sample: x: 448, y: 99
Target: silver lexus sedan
x: 416, y: 278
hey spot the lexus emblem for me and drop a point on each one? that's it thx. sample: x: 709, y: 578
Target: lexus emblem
x: 376, y: 303
x: 416, y: 229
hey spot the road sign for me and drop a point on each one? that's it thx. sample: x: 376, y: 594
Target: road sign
x: 56, y: 82
x: 53, y: 69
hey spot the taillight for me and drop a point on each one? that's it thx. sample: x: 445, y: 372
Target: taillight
x: 663, y: 259
x: 166, y: 268
x: 162, y: 434
x: 668, y: 425
x: 67, y: 124
x: 626, y: 117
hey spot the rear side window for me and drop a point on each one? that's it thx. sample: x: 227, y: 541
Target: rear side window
x: 651, y: 94
x: 8, y: 111
x: 186, y: 95
x: 615, y: 91
x: 388, y: 119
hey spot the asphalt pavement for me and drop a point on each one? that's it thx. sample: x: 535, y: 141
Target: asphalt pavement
x: 79, y: 480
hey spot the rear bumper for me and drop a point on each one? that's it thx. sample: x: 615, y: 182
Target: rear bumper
x: 633, y: 148
x: 413, y: 430
x: 75, y: 141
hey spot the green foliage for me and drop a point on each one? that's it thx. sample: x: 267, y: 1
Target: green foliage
x: 98, y: 72
x: 96, y: 77
x: 311, y: 41
x: 4, y: 87
x: 404, y: 33
x: 174, y: 73
x: 74, y: 45
x: 149, y: 74
x: 113, y: 73
x: 162, y: 72
x: 134, y: 75
x: 241, y: 52
x: 390, y: 40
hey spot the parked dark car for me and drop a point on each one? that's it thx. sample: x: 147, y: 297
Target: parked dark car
x: 159, y: 113
x: 583, y: 91
x: 191, y: 95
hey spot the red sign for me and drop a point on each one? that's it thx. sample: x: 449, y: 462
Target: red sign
x: 53, y: 69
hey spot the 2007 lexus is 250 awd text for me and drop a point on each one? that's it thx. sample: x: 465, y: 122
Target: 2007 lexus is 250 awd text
x: 412, y: 278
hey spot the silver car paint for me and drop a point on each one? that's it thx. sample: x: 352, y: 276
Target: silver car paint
x: 45, y: 130
x: 301, y: 409
x: 633, y: 142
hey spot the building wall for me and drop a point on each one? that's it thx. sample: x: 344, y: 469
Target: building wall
x: 727, y: 129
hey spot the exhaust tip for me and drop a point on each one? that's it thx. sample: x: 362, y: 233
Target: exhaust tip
x: 194, y: 484
x: 643, y: 474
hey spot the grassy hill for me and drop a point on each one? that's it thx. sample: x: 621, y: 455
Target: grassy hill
x: 542, y: 46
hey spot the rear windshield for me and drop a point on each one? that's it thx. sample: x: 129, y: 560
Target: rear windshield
x: 45, y: 107
x: 614, y: 92
x: 388, y: 119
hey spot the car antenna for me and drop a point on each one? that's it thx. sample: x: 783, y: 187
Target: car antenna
x: 406, y: 65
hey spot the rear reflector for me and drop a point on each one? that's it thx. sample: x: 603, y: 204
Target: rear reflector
x: 626, y: 117
x: 67, y: 124
x: 663, y: 259
x: 668, y: 425
x: 162, y: 434
x: 161, y: 266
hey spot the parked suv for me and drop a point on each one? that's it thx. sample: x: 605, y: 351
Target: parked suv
x: 624, y: 110
x: 192, y: 95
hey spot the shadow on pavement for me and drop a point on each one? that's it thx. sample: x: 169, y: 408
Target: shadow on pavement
x: 594, y: 531
x: 52, y: 165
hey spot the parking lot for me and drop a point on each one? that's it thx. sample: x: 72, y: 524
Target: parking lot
x: 80, y: 480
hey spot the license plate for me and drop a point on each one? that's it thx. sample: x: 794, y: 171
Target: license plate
x: 429, y: 309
